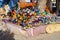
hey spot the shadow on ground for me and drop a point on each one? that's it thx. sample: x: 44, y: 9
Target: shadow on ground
x: 6, y: 35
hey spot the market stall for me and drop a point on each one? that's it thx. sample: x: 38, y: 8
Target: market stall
x: 33, y: 19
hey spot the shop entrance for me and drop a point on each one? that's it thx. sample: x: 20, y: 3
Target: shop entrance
x: 58, y: 7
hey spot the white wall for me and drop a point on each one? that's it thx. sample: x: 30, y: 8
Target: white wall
x: 24, y: 0
x: 27, y: 0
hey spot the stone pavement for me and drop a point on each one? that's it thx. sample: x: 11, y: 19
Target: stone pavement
x: 19, y: 36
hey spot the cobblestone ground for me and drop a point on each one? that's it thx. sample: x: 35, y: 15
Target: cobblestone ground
x: 19, y: 36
